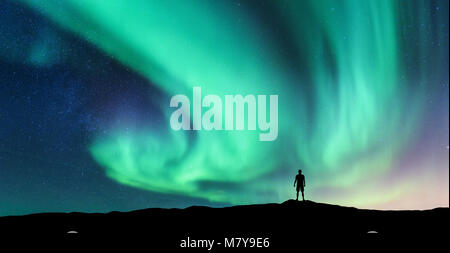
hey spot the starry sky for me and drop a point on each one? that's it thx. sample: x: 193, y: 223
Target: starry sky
x: 86, y: 85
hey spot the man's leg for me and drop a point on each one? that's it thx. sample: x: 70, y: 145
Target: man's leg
x: 303, y: 196
x: 297, y: 195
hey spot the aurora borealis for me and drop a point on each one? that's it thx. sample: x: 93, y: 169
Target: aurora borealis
x: 363, y: 103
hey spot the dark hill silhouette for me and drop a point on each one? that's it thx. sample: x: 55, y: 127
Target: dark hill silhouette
x: 286, y: 225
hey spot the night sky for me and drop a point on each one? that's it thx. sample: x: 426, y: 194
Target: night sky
x: 86, y: 85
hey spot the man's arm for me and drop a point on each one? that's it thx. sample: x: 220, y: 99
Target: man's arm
x: 295, y: 181
x: 304, y: 181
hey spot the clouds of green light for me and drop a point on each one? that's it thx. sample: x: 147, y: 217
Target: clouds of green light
x: 341, y: 117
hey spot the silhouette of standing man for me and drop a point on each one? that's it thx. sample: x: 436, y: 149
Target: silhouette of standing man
x: 300, y: 181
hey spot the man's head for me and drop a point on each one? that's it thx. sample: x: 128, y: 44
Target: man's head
x: 299, y: 171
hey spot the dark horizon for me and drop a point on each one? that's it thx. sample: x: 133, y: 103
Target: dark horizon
x: 172, y: 228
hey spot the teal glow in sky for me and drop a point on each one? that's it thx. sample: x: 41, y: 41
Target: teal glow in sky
x: 354, y: 80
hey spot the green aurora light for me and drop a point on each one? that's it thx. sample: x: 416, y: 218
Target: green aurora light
x: 342, y: 112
